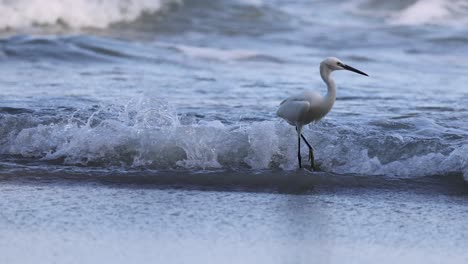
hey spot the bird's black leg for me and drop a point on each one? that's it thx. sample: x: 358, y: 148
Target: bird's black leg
x: 299, y: 150
x: 311, y: 153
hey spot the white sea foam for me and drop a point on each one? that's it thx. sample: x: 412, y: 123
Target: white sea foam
x: 216, y: 54
x: 413, y: 13
x: 219, y: 54
x: 257, y: 3
x: 433, y: 12
x: 74, y: 13
x: 148, y: 133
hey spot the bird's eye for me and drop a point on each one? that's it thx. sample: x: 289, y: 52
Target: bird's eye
x: 339, y: 64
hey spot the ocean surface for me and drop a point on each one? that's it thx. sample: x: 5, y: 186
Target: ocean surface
x: 117, y: 104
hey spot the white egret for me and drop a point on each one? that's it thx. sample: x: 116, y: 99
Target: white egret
x: 309, y: 106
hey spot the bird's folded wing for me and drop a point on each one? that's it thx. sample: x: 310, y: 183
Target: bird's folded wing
x: 292, y: 110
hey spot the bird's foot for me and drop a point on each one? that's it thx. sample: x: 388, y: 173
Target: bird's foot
x: 313, y: 166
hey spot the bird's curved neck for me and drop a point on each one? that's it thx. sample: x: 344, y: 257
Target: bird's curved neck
x: 325, y: 73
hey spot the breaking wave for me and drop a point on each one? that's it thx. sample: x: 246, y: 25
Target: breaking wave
x: 74, y: 13
x: 150, y: 134
x: 433, y: 12
x: 416, y: 12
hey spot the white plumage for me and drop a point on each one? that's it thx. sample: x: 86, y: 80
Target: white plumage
x: 310, y: 106
x: 304, y: 108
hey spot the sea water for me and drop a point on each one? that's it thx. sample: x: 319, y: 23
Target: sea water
x: 177, y: 90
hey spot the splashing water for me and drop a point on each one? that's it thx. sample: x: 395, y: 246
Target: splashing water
x: 148, y: 133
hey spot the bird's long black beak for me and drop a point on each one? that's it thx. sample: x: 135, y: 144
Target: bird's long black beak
x: 349, y: 68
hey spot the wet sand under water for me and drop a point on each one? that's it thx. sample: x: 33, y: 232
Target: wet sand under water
x: 207, y: 218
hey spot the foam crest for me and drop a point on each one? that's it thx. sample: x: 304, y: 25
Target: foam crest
x: 354, y: 150
x: 74, y: 13
x: 432, y: 12
x: 215, y: 54
x: 413, y: 13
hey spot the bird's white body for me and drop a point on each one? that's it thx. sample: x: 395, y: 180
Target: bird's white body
x: 310, y: 106
x: 306, y: 107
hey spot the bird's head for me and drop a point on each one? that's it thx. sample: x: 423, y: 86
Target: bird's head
x: 334, y: 64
